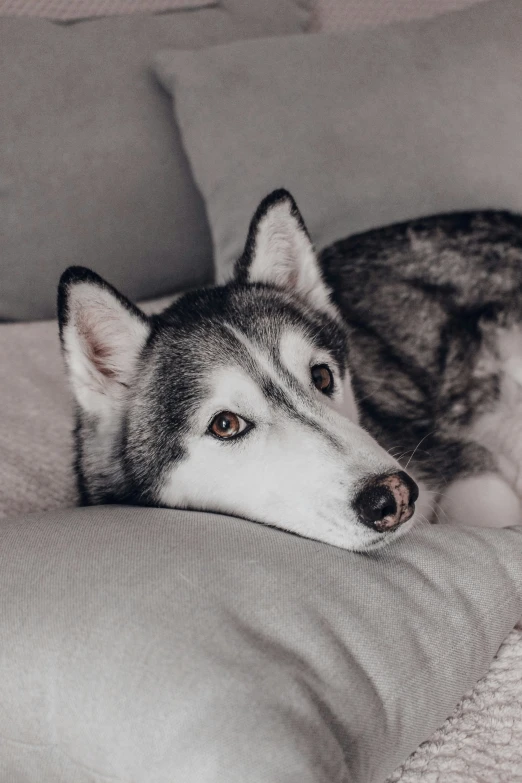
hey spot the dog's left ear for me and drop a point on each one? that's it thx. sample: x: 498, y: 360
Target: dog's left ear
x: 278, y: 251
x: 102, y: 336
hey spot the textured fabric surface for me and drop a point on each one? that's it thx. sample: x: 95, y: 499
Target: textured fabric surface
x: 482, y: 741
x: 138, y: 644
x: 35, y: 421
x: 364, y: 128
x: 68, y: 10
x: 336, y: 15
x: 91, y: 167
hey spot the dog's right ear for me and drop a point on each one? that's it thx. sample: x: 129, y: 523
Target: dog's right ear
x: 279, y: 252
x: 102, y: 336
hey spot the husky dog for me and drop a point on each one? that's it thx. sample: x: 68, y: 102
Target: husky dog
x: 305, y: 392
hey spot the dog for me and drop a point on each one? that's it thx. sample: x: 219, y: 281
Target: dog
x: 342, y: 396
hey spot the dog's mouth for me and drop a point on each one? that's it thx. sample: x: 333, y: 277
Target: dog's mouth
x: 380, y: 540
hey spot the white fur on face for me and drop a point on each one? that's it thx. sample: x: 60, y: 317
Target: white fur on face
x: 102, y: 341
x: 283, y: 472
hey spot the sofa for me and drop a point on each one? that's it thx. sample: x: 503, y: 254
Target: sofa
x: 155, y: 645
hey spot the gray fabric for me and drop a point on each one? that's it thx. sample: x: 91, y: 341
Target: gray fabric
x: 154, y: 646
x: 36, y: 421
x: 91, y: 168
x: 364, y: 128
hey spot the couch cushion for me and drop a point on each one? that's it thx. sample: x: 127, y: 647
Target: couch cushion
x: 91, y: 166
x: 365, y: 128
x: 151, y: 645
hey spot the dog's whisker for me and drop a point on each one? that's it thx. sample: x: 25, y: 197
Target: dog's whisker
x: 414, y: 451
x: 417, y: 446
x: 370, y: 395
x: 423, y: 520
x: 441, y: 510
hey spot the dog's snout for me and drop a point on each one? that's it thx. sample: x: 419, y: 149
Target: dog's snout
x: 386, y: 501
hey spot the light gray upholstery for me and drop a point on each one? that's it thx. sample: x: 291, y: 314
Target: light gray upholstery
x: 156, y: 646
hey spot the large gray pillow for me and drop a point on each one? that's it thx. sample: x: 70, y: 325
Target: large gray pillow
x: 365, y: 128
x: 157, y: 646
x: 91, y: 167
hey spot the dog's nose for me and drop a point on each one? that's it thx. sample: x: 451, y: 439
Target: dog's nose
x: 386, y: 501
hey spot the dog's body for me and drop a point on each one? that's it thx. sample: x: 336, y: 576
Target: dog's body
x: 435, y: 313
x: 248, y: 399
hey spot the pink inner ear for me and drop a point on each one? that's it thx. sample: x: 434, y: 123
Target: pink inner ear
x: 98, y: 352
x: 100, y: 355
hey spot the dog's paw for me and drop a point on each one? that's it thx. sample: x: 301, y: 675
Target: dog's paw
x: 485, y: 500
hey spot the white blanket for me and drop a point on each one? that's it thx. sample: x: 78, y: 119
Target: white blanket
x: 482, y: 741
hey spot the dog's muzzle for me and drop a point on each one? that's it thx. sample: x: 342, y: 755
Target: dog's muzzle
x: 386, y: 501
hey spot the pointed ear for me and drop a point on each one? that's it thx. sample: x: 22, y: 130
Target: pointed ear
x: 278, y: 251
x: 102, y: 335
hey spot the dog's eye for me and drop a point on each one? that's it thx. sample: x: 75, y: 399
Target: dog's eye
x: 227, y: 425
x: 323, y: 378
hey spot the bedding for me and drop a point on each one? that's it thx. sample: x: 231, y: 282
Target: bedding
x: 142, y: 643
x: 91, y: 167
x: 364, y: 128
x: 482, y: 739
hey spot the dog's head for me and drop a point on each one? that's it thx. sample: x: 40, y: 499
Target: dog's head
x: 237, y: 399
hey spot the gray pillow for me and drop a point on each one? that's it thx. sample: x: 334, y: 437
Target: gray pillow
x: 153, y: 646
x: 91, y: 168
x: 365, y: 128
